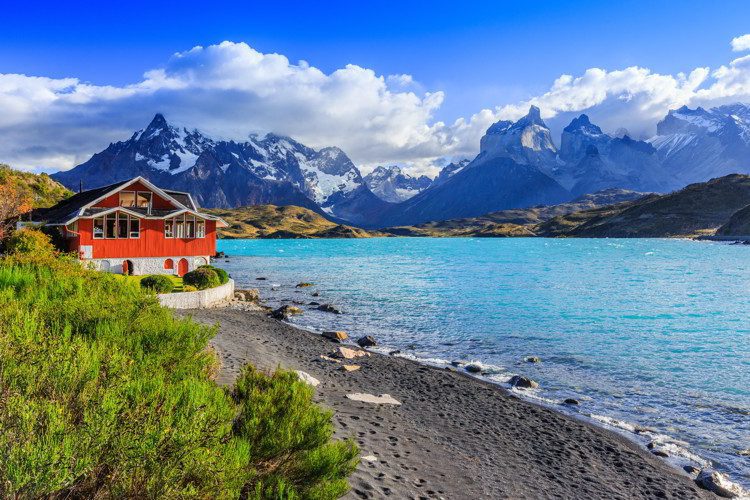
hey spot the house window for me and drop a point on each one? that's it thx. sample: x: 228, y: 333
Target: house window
x: 135, y: 228
x: 127, y: 199
x: 99, y: 228
x: 169, y: 228
x: 122, y: 226
x: 110, y: 226
x: 200, y: 229
x: 189, y: 227
x: 179, y: 228
x: 143, y: 199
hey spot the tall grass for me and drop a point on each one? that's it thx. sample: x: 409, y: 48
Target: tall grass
x: 103, y: 393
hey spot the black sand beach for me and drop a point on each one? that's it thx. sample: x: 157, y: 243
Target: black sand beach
x: 453, y: 436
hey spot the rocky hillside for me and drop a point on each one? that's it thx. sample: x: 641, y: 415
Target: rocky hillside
x: 394, y: 185
x: 270, y: 221
x: 696, y: 210
x: 514, y: 222
x: 39, y: 189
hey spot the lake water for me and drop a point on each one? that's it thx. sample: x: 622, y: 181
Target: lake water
x: 644, y: 332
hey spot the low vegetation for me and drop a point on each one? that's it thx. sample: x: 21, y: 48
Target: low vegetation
x: 222, y: 274
x: 273, y: 222
x: 105, y: 394
x: 202, y: 278
x: 157, y: 283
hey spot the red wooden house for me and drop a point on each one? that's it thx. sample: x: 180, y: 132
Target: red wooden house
x: 134, y: 227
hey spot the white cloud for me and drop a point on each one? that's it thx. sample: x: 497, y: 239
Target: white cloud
x: 741, y: 43
x: 230, y: 90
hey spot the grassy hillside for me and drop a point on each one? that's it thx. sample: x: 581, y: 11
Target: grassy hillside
x: 271, y: 221
x: 39, y: 189
x: 696, y: 210
x: 515, y: 222
x: 738, y: 224
x: 106, y: 394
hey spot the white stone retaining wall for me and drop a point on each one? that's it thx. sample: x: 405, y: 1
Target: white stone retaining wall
x: 147, y: 265
x: 201, y: 299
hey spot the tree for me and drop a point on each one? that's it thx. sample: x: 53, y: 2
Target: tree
x: 12, y: 204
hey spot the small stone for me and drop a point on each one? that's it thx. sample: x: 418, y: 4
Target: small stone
x: 328, y: 358
x: 350, y: 368
x: 304, y: 284
x: 261, y: 279
x: 651, y: 445
x: 307, y: 378
x: 456, y: 363
x: 393, y: 353
x: 315, y: 294
x: 313, y: 303
x: 366, y: 341
x: 691, y: 469
x: 473, y: 368
x: 660, y: 453
x: 571, y: 401
x: 370, y: 458
x: 744, y: 453
x: 718, y: 483
x: 523, y: 382
x: 329, y: 308
x: 383, y: 399
x: 335, y: 336
x: 533, y: 359
x: 347, y: 353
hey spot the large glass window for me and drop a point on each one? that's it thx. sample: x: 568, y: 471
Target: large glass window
x: 127, y: 199
x: 169, y: 228
x: 135, y: 228
x: 99, y: 228
x: 200, y: 229
x: 110, y: 226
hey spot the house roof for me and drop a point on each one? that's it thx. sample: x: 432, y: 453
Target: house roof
x: 81, y: 205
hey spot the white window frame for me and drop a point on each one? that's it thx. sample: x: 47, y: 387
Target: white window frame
x: 104, y: 228
x: 171, y: 230
x: 200, y: 228
x: 130, y: 228
x: 135, y: 198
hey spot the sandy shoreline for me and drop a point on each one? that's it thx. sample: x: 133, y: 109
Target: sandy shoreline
x: 453, y: 436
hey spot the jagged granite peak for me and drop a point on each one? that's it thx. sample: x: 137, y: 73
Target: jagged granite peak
x: 270, y: 169
x: 394, y: 185
x: 527, y: 140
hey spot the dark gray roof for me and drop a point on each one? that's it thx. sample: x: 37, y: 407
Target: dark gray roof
x: 182, y: 197
x: 68, y: 208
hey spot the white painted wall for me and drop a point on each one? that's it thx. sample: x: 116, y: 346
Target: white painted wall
x: 147, y: 265
x: 201, y: 299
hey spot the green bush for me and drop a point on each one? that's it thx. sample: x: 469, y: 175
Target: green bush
x: 223, y: 275
x: 189, y: 288
x: 29, y: 241
x: 158, y: 283
x: 278, y: 418
x: 202, y: 278
x: 106, y: 394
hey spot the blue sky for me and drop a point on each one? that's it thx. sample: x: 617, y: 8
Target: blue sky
x: 477, y: 55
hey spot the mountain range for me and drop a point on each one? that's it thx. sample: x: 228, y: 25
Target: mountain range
x: 518, y: 165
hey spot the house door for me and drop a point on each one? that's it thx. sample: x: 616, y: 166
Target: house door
x: 182, y: 267
x: 127, y: 267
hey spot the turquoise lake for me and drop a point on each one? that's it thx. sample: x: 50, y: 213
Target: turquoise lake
x: 645, y: 333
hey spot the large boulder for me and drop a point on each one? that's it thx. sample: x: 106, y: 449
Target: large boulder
x: 252, y: 295
x: 366, y: 341
x: 285, y: 311
x: 523, y: 382
x: 329, y: 308
x: 336, y: 336
x: 718, y: 483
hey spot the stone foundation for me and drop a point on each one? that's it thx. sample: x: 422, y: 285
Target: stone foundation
x: 146, y: 265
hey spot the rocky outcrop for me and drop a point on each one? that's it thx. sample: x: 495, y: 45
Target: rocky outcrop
x: 523, y: 382
x: 719, y: 483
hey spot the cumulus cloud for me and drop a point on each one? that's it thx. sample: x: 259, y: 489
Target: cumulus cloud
x: 230, y: 90
x: 741, y: 43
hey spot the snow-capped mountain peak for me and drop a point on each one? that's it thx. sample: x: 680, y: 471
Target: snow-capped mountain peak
x: 527, y: 140
x: 394, y: 185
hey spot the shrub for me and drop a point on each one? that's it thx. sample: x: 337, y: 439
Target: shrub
x: 189, y: 288
x: 279, y: 419
x: 223, y: 275
x: 202, y: 278
x: 106, y: 394
x: 29, y: 241
x: 158, y: 283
